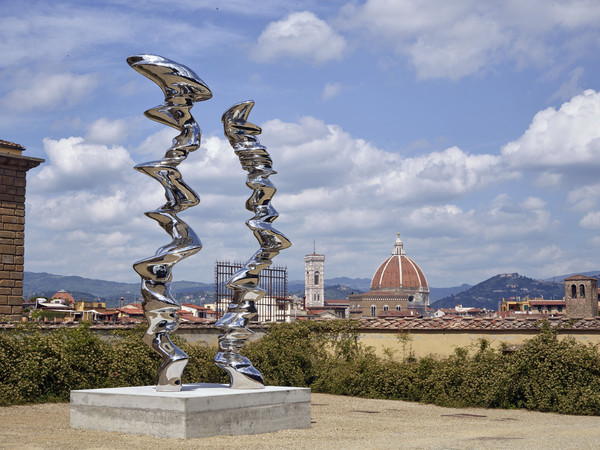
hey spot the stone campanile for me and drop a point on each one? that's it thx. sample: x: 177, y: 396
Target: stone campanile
x: 314, y: 280
x: 581, y: 296
x: 13, y: 169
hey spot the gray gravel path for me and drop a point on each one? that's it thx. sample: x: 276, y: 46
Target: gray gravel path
x: 338, y: 422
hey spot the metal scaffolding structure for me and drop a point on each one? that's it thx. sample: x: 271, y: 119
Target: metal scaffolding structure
x: 271, y: 308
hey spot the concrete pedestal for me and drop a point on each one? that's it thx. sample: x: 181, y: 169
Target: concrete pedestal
x: 198, y: 410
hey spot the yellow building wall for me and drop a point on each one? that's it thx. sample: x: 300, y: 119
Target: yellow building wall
x: 443, y: 344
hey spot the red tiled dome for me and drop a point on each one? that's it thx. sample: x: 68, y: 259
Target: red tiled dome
x: 397, y: 272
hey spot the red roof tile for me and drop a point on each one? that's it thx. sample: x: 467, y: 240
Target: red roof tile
x: 4, y: 143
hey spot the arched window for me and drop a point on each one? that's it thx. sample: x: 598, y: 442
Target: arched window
x: 373, y: 310
x: 386, y: 308
x: 317, y: 297
x: 316, y: 277
x: 411, y: 298
x: 573, y: 291
x: 398, y: 307
x: 581, y: 290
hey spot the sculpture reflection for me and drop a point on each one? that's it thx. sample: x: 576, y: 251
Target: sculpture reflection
x: 244, y: 283
x: 181, y: 87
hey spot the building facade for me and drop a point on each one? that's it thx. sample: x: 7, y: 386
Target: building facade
x: 13, y: 169
x: 314, y: 280
x: 398, y: 285
x: 581, y: 296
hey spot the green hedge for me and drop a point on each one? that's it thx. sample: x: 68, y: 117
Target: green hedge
x: 545, y: 374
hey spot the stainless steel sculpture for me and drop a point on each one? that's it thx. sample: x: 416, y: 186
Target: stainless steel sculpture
x: 244, y: 283
x: 181, y: 87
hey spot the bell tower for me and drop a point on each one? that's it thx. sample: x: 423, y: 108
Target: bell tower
x: 581, y: 296
x: 314, y: 279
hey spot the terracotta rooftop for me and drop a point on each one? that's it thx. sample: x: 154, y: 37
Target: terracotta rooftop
x: 191, y: 305
x: 547, y: 302
x: 476, y: 323
x: 394, y: 324
x: 579, y: 277
x: 9, y: 144
x: 130, y: 310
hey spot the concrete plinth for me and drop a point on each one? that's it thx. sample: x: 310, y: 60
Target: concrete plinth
x: 198, y: 410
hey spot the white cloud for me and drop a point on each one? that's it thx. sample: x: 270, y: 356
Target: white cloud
x: 584, y: 198
x: 301, y: 35
x: 591, y: 220
x: 331, y: 90
x: 455, y: 39
x: 75, y: 164
x: 560, y: 139
x: 441, y: 175
x: 345, y: 191
x: 571, y: 87
x: 105, y: 131
x: 503, y: 219
x: 50, y: 91
x: 457, y: 50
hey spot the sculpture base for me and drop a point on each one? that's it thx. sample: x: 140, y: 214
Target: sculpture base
x: 198, y: 410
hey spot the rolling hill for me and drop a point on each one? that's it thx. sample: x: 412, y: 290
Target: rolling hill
x: 489, y: 293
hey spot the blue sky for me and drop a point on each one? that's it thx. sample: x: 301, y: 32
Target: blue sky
x: 470, y: 127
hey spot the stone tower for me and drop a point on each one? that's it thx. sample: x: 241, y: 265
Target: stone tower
x: 314, y: 281
x: 13, y: 167
x: 581, y: 296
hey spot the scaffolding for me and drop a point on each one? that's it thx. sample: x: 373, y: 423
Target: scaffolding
x: 271, y: 308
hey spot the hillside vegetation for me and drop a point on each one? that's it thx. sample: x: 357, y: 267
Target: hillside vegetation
x: 46, y: 284
x: 489, y: 293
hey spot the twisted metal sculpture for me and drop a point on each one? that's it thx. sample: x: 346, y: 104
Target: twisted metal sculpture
x: 182, y: 87
x: 244, y: 283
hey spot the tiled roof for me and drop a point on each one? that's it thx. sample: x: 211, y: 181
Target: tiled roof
x: 404, y: 313
x: 190, y: 305
x: 130, y: 310
x: 578, y: 277
x: 459, y: 324
x: 477, y: 323
x: 4, y: 143
x: 191, y: 318
x: 133, y: 305
x: 547, y: 302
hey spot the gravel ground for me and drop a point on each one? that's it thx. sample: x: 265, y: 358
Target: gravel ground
x: 338, y: 422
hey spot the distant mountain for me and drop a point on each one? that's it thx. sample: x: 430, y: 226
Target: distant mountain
x: 46, y: 285
x: 489, y: 293
x: 439, y: 293
x: 357, y: 284
x: 335, y: 288
x: 560, y: 278
x: 339, y: 292
x: 295, y: 287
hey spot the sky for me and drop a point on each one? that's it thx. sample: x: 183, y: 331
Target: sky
x: 472, y: 128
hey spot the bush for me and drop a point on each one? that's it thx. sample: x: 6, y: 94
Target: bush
x: 546, y: 374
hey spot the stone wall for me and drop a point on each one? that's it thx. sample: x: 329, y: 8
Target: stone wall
x: 410, y: 336
x: 13, y: 169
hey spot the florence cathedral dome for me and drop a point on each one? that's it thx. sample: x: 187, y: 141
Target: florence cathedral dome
x: 398, y: 287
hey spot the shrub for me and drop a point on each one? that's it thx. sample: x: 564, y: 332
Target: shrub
x: 546, y: 374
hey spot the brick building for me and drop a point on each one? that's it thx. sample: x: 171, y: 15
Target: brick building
x: 13, y: 169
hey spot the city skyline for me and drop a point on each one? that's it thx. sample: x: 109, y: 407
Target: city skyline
x: 471, y: 128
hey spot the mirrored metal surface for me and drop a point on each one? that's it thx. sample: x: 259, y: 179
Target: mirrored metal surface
x: 244, y: 283
x: 181, y: 87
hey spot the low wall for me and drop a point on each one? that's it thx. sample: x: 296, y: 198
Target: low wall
x: 441, y: 336
x: 440, y: 343
x: 412, y: 336
x: 209, y: 335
